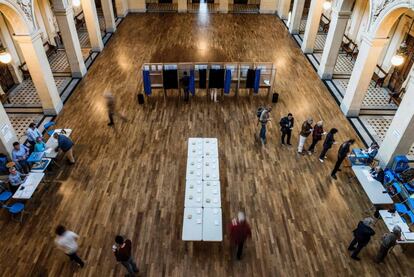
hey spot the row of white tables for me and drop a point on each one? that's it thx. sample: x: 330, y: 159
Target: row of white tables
x: 202, y: 206
x: 393, y: 219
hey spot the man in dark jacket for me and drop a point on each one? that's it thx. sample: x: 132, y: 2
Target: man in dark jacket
x: 327, y: 144
x: 362, y: 235
x: 123, y: 254
x: 66, y: 145
x: 286, y: 126
x: 342, y: 153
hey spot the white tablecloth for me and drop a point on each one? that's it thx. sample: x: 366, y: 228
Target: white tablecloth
x: 52, y: 143
x: 193, y: 224
x: 193, y: 194
x: 212, y: 224
x: 29, y: 186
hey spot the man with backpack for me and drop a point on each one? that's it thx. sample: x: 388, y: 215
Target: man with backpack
x: 263, y: 115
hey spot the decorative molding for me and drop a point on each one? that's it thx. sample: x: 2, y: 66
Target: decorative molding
x: 27, y: 7
x: 378, y: 6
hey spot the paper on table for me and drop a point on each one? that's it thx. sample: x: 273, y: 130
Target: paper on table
x: 48, y: 150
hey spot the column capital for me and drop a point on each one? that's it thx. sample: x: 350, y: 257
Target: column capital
x: 340, y: 14
x: 63, y: 11
x: 373, y: 41
x: 35, y: 35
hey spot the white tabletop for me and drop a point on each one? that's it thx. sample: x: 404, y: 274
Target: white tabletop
x: 193, y: 194
x: 195, y: 164
x: 52, y: 143
x: 211, y: 170
x: 210, y: 147
x: 195, y: 147
x: 30, y: 184
x: 211, y: 194
x: 394, y: 219
x: 212, y: 224
x: 193, y: 224
x: 375, y: 191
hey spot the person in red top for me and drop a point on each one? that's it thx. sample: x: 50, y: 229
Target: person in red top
x: 317, y: 134
x: 239, y: 232
x: 123, y: 254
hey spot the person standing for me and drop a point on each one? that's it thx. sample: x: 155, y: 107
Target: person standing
x: 213, y: 95
x: 317, y: 134
x: 286, y: 126
x: 32, y: 134
x: 67, y: 241
x: 123, y: 253
x: 305, y: 131
x: 327, y: 144
x: 185, y: 82
x: 20, y: 153
x: 239, y: 232
x: 389, y: 240
x: 66, y: 145
x: 263, y: 120
x: 342, y: 153
x: 111, y: 109
x: 362, y: 236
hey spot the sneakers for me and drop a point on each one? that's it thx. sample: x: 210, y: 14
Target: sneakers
x: 321, y: 160
x: 334, y: 176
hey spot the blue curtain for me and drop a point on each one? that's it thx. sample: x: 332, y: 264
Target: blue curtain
x: 256, y: 81
x: 191, y: 85
x: 147, y: 82
x: 227, y: 81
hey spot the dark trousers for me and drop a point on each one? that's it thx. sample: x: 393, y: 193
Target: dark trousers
x: 358, y: 248
x: 382, y: 253
x: 263, y: 132
x: 288, y: 134
x: 111, y: 118
x: 24, y: 166
x: 131, y: 266
x: 186, y: 95
x: 239, y: 250
x: 74, y: 257
x: 323, y: 153
x: 312, y: 146
x: 338, y: 165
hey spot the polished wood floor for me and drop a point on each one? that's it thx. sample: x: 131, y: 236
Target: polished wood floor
x: 131, y: 180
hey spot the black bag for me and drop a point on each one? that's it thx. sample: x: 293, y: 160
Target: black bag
x: 140, y: 98
x: 275, y: 97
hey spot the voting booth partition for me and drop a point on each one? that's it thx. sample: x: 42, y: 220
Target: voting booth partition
x: 227, y: 78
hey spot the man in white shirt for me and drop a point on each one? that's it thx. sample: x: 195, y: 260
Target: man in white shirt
x: 66, y: 241
x: 32, y: 134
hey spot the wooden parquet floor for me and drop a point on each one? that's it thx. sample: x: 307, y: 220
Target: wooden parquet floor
x: 131, y: 180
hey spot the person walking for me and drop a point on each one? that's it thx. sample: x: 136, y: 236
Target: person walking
x: 111, y: 109
x: 286, y: 126
x: 342, y: 153
x: 305, y: 131
x: 66, y: 145
x: 389, y: 240
x: 317, y: 134
x: 185, y: 82
x: 239, y: 232
x: 362, y: 236
x: 263, y: 120
x: 327, y: 144
x: 67, y: 241
x: 123, y: 253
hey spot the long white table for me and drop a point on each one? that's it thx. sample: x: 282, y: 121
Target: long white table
x: 210, y: 147
x: 211, y: 170
x: 193, y: 194
x: 375, y: 191
x: 212, y: 224
x: 394, y: 219
x: 211, y: 194
x: 52, y: 143
x: 195, y: 147
x: 26, y: 190
x: 193, y: 224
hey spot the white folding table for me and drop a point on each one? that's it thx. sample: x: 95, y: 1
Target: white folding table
x: 211, y: 194
x: 210, y: 147
x: 212, y: 224
x: 52, y: 143
x: 192, y: 224
x: 195, y: 147
x: 211, y: 170
x: 375, y: 191
x: 193, y: 194
x: 391, y: 220
x: 28, y: 187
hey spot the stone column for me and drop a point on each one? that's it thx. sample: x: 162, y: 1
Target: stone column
x: 369, y: 51
x: 7, y: 133
x: 47, y: 15
x: 268, y: 6
x: 182, y: 6
x: 108, y: 12
x: 7, y: 42
x: 283, y: 9
x: 224, y: 6
x: 39, y: 68
x: 312, y: 26
x: 333, y: 43
x: 121, y: 8
x: 64, y: 18
x: 92, y: 24
x: 296, y: 16
x: 400, y: 135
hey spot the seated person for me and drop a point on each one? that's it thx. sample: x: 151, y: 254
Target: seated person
x: 372, y: 151
x: 20, y: 153
x: 378, y: 174
x: 40, y: 146
x: 15, y: 179
x: 364, y: 157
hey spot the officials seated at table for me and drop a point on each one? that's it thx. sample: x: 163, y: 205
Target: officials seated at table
x: 15, y: 179
x: 40, y: 146
x: 378, y: 174
x: 20, y: 153
x: 364, y: 157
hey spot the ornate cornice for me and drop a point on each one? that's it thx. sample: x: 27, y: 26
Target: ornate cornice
x: 27, y: 7
x: 378, y: 6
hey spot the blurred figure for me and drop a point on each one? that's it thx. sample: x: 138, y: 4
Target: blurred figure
x: 123, y: 253
x: 67, y: 242
x: 327, y: 144
x: 389, y: 240
x: 286, y: 126
x: 239, y: 232
x: 110, y: 106
x: 362, y: 236
x: 317, y: 134
x: 305, y: 131
x: 185, y: 83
